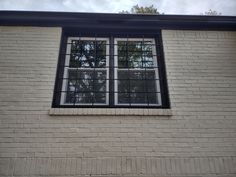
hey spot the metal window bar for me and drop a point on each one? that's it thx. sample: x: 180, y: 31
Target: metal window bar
x: 95, y: 55
x: 145, y: 78
x: 127, y: 57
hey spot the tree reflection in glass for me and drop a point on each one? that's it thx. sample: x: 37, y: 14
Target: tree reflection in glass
x: 87, y: 72
x: 135, y: 54
x: 137, y: 77
x: 91, y: 54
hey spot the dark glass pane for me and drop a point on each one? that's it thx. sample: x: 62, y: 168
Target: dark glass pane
x: 88, y: 54
x: 147, y: 46
x: 152, y: 98
x: 148, y: 61
x: 123, y: 62
x: 138, y: 98
x: 123, y: 98
x: 122, y: 46
x: 137, y: 45
x: 135, y: 54
x: 86, y: 86
x: 70, y: 97
x: 137, y: 87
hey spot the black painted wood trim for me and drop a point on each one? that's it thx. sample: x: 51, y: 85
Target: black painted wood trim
x: 116, y: 21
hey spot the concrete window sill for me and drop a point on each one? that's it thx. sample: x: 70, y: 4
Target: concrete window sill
x: 108, y: 112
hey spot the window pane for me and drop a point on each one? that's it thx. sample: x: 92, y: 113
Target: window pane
x: 86, y: 53
x: 86, y: 86
x: 135, y: 54
x: 137, y: 87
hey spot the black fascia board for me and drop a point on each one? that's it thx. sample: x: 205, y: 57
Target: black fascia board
x: 116, y: 21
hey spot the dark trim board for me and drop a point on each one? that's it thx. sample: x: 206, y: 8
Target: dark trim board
x: 116, y: 21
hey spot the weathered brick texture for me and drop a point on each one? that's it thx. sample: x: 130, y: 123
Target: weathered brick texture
x: 199, y: 139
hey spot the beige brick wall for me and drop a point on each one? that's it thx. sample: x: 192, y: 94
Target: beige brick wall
x: 199, y: 139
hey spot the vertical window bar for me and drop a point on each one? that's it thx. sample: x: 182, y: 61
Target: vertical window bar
x: 111, y: 69
x: 128, y: 65
x: 76, y: 85
x: 107, y: 69
x: 76, y: 92
x: 94, y: 91
x: 116, y: 93
x: 145, y: 72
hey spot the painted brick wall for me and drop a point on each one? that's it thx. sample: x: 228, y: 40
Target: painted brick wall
x: 198, y: 140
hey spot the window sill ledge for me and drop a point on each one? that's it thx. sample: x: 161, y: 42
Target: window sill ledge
x: 108, y: 112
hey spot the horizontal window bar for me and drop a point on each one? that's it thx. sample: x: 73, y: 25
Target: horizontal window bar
x: 101, y: 92
x: 104, y: 68
x: 126, y: 79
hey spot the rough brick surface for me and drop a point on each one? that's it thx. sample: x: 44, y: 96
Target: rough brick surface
x: 199, y: 139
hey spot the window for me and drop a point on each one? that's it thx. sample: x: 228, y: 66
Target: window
x: 136, y: 72
x: 110, y: 71
x: 86, y: 72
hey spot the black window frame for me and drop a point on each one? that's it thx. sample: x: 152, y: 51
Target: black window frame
x: 111, y: 34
